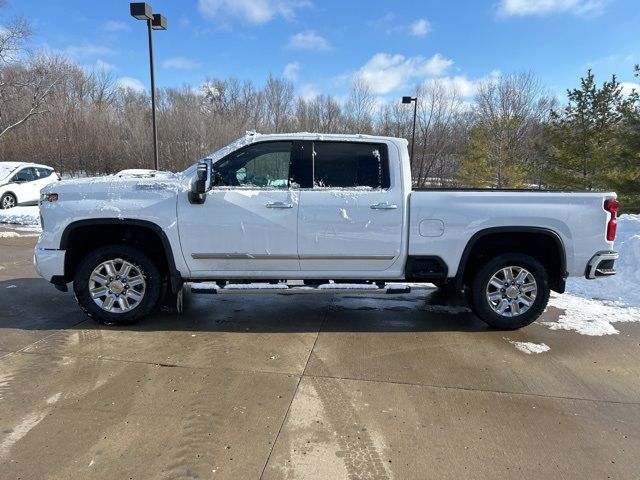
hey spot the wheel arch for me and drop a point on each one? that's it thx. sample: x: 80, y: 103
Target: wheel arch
x: 10, y: 192
x: 534, y: 241
x: 80, y: 237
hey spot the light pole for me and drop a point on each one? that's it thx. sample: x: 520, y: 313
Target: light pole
x: 415, y: 112
x: 155, y: 21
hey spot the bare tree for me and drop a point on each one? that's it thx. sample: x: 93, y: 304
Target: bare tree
x: 26, y: 81
x: 510, y: 112
x: 438, y: 108
x: 360, y: 107
x: 278, y: 96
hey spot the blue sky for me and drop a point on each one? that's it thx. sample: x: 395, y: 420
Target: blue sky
x: 321, y: 45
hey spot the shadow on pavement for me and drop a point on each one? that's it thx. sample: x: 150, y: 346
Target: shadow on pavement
x: 34, y: 304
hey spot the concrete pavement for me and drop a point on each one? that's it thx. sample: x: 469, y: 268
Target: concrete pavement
x: 305, y: 387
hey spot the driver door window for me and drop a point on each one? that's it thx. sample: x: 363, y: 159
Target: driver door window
x: 263, y: 165
x: 24, y: 175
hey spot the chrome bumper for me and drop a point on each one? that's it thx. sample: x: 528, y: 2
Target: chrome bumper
x: 601, y: 265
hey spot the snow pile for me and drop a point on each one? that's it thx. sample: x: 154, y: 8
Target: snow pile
x: 529, y: 348
x: 624, y: 287
x: 256, y: 286
x: 21, y: 215
x: 590, y: 317
x: 347, y: 286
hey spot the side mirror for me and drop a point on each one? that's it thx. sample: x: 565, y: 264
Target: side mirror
x: 202, y: 184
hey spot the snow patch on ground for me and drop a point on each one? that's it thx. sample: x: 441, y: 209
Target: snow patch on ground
x: 590, y: 317
x: 256, y: 286
x: 21, y: 215
x: 590, y: 307
x: 530, y: 348
x: 347, y: 286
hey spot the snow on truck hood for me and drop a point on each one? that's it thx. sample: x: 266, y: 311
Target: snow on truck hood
x: 140, y: 180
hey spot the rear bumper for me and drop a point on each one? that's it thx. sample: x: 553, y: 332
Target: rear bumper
x: 49, y: 264
x: 601, y: 265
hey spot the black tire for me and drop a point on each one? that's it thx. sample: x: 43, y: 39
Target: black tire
x: 476, y: 292
x: 8, y: 198
x: 146, y: 268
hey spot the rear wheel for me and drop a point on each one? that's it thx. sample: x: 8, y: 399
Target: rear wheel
x: 509, y: 292
x: 8, y: 200
x: 117, y: 285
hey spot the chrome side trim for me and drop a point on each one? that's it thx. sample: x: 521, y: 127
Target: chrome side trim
x: 264, y: 256
x: 347, y: 257
x: 241, y: 256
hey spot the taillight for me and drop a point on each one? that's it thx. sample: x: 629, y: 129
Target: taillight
x: 611, y: 206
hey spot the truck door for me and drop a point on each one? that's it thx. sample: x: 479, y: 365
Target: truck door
x: 249, y: 221
x: 352, y: 217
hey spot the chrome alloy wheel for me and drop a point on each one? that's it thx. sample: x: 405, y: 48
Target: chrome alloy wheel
x: 8, y: 202
x: 511, y: 291
x: 117, y: 286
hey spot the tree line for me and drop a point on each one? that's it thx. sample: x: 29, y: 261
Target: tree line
x: 514, y: 134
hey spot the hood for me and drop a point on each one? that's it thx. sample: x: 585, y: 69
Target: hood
x: 113, y: 186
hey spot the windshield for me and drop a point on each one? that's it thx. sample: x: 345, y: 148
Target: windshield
x: 6, y: 170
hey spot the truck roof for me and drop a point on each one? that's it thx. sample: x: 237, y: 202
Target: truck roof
x: 322, y: 136
x: 254, y: 137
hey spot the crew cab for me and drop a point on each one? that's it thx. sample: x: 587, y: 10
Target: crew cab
x: 336, y: 211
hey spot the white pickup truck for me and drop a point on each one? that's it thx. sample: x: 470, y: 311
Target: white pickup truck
x: 336, y: 211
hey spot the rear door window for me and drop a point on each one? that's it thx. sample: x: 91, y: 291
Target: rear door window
x: 25, y: 175
x: 350, y: 165
x: 43, y: 172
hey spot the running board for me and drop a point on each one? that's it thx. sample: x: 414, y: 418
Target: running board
x: 212, y: 288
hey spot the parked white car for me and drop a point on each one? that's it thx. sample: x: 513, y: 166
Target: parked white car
x: 20, y: 183
x: 318, y: 208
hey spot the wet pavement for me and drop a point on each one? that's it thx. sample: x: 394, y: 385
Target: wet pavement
x: 305, y: 387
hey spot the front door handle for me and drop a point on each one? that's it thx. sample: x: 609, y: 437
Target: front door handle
x: 279, y: 205
x: 384, y: 206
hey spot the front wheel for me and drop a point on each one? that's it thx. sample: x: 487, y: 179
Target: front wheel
x: 510, y: 291
x: 117, y: 285
x: 8, y: 200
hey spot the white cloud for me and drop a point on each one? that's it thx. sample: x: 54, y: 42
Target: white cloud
x: 385, y: 73
x: 309, y: 91
x: 107, y: 67
x: 179, y: 63
x: 464, y: 86
x: 308, y: 40
x: 129, y: 83
x: 113, y: 26
x: 251, y: 11
x: 419, y: 28
x: 291, y: 71
x: 521, y: 8
x: 628, y: 87
x: 79, y: 52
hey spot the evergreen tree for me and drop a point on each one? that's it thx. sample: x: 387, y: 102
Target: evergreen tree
x: 509, y: 112
x: 585, y: 143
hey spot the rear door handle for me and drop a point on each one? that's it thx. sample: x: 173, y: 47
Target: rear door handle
x: 279, y: 205
x: 384, y: 206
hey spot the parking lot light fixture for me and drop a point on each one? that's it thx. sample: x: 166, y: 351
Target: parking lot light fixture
x: 159, y: 22
x: 141, y: 11
x: 415, y: 113
x: 155, y: 21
